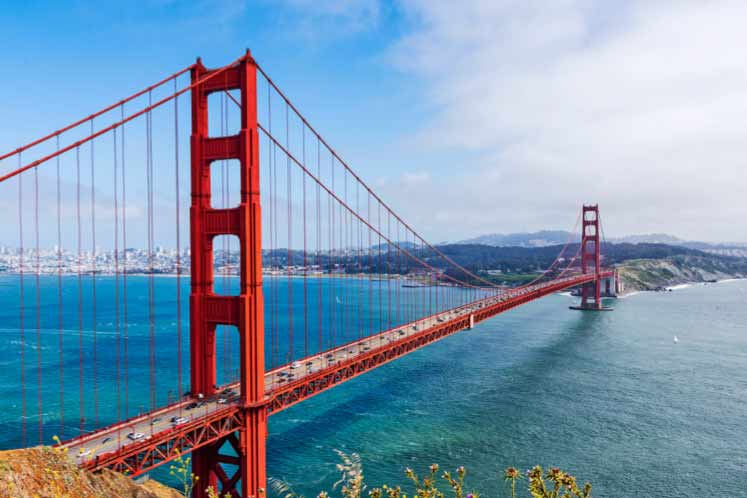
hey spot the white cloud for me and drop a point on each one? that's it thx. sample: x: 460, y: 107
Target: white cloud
x: 638, y: 106
x: 415, y: 178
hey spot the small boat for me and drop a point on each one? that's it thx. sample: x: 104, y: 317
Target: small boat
x: 676, y: 340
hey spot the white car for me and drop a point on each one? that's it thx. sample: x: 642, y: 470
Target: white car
x: 222, y: 401
x: 179, y: 420
x: 135, y: 436
x: 84, y: 453
x: 295, y: 365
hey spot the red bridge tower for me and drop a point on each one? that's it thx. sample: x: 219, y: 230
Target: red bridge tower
x: 244, y: 311
x: 591, y: 260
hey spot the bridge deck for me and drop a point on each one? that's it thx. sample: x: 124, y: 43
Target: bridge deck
x: 163, y: 435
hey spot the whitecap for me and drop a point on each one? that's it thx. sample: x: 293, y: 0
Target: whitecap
x: 679, y: 287
x: 629, y: 294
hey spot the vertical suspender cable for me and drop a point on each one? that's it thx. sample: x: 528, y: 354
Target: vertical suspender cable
x: 151, y: 289
x: 341, y: 264
x: 93, y: 282
x: 124, y: 277
x: 275, y: 227
x: 431, y: 291
x: 59, y: 296
x: 370, y: 270
x: 400, y: 272
x: 116, y: 276
x: 276, y: 287
x: 424, y: 289
x: 177, y: 192
x: 359, y: 256
x: 38, y: 308
x: 320, y: 311
x: 388, y: 271
x: 21, y: 305
x: 80, y: 293
x: 270, y: 215
x: 343, y: 289
x: 37, y: 269
x: 289, y: 263
x: 305, y: 262
x: 344, y: 267
x: 332, y: 289
x: 378, y: 269
x: 415, y: 296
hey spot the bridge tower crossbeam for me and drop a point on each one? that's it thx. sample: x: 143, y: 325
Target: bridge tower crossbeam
x: 244, y: 311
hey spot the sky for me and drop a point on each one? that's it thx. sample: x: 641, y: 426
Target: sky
x: 492, y: 116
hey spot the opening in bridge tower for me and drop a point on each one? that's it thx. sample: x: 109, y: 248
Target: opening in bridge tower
x: 246, y: 456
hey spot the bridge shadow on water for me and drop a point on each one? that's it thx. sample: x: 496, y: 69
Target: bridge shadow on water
x: 449, y: 395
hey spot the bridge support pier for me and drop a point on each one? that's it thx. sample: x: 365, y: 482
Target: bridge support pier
x: 246, y: 448
x: 591, y: 260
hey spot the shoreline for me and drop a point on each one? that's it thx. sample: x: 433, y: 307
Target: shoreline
x: 681, y: 286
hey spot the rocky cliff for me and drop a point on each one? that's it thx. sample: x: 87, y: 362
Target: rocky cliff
x: 653, y: 274
x: 44, y: 472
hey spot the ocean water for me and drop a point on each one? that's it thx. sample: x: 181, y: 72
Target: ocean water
x: 608, y: 397
x: 85, y: 366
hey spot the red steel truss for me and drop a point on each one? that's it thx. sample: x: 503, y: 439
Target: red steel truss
x: 163, y: 447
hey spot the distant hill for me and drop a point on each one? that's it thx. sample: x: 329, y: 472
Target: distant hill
x: 721, y: 248
x: 543, y: 238
x: 529, y: 259
x: 651, y: 238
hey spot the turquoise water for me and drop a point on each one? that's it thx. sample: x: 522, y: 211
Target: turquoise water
x: 606, y: 396
x: 84, y: 352
x: 609, y: 397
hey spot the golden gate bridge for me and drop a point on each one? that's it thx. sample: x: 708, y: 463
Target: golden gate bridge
x: 272, y: 203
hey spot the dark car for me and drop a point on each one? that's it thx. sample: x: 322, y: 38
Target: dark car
x: 192, y: 406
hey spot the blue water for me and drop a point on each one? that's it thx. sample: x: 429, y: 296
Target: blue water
x: 608, y: 396
x: 100, y: 358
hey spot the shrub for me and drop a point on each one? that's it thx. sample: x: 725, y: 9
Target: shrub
x: 553, y: 483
